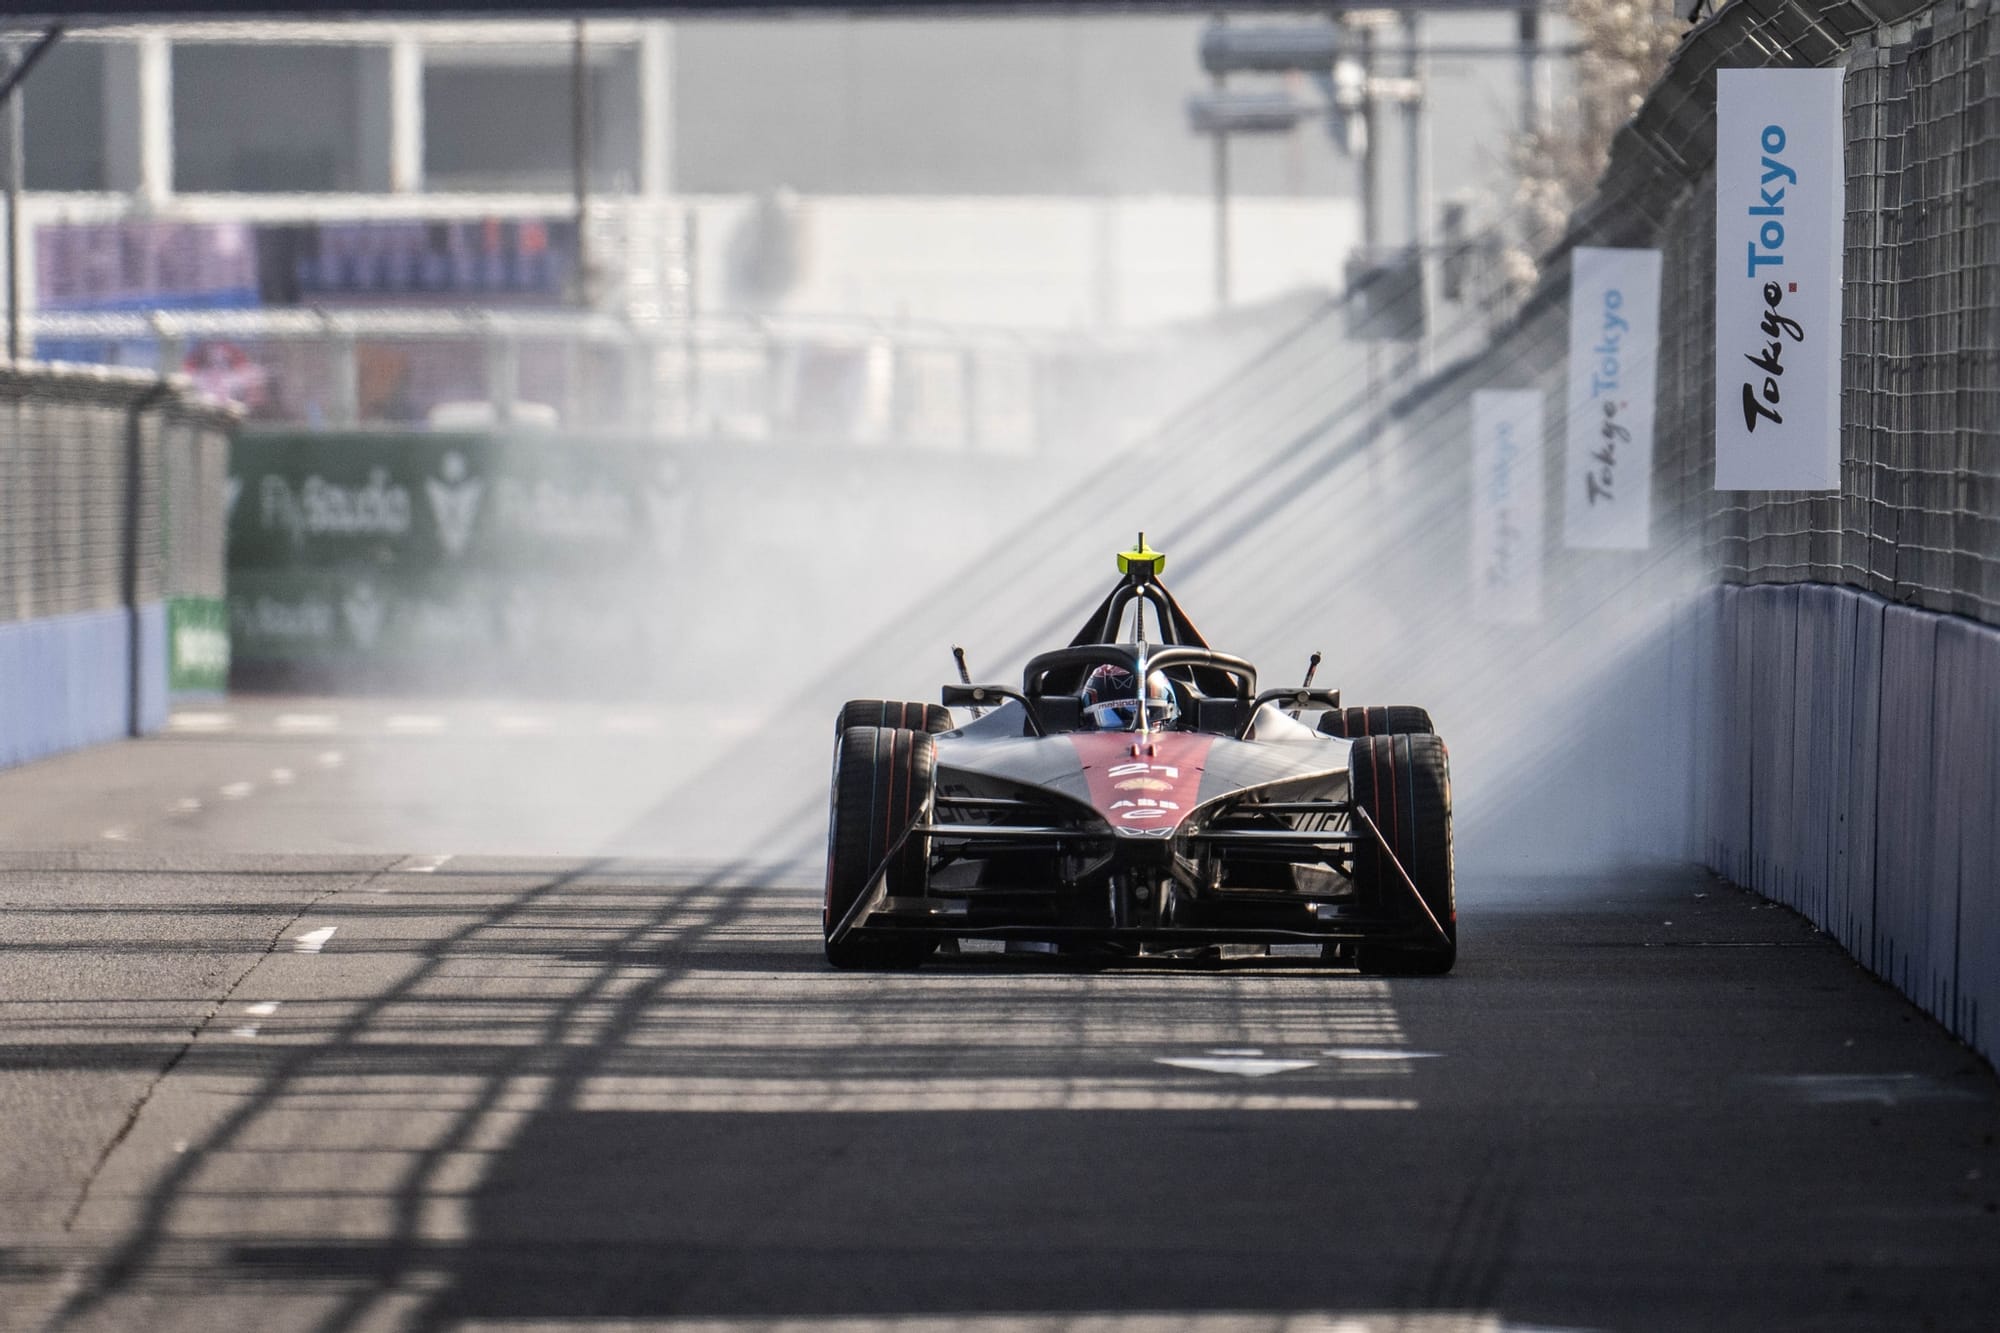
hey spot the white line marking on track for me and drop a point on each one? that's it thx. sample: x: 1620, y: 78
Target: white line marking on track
x: 414, y: 724
x: 421, y: 865
x: 314, y: 940
x: 236, y: 791
x: 200, y: 722
x: 1235, y: 1050
x: 263, y: 1008
x: 186, y: 805
x: 247, y: 1030
x: 332, y: 759
x: 737, y: 1096
x: 1379, y: 1053
x: 315, y: 723
x: 1208, y: 1321
x: 1243, y: 1066
x: 117, y: 835
x: 281, y: 776
x: 1872, y: 1089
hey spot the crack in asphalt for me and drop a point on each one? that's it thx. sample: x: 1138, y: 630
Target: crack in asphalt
x: 194, y: 1035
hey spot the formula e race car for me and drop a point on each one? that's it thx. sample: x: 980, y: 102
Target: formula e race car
x: 1139, y: 795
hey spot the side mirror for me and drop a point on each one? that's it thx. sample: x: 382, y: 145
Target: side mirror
x: 991, y: 696
x: 1296, y: 698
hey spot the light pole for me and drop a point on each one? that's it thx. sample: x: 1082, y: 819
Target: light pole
x: 10, y: 93
x: 1221, y: 184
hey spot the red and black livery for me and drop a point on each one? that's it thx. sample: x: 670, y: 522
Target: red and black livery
x: 1233, y: 816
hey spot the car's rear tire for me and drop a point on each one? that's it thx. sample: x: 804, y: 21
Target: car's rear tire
x: 1389, y: 720
x: 932, y: 718
x: 883, y: 780
x: 1404, y: 782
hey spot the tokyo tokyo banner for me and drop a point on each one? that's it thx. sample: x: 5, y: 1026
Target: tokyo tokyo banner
x: 1507, y: 506
x: 1614, y: 340
x: 1780, y: 196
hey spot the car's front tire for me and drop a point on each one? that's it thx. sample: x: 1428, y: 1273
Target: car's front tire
x: 932, y: 718
x: 883, y: 782
x: 1389, y: 720
x: 1404, y: 783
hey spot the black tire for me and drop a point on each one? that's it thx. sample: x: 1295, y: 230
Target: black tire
x: 1404, y: 782
x: 1389, y: 720
x: 883, y: 778
x: 932, y: 718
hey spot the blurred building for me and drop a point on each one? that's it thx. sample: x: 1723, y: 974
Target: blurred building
x: 1014, y: 174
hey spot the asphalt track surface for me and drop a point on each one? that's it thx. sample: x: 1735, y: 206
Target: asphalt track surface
x: 308, y: 1054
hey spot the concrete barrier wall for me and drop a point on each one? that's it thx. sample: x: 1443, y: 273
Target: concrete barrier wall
x: 1851, y: 768
x: 66, y: 681
x: 111, y: 502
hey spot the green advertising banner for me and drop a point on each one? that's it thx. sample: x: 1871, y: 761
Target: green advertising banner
x: 197, y: 645
x: 440, y: 558
x: 437, y: 503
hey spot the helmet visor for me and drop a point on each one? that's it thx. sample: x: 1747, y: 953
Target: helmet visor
x: 1115, y: 714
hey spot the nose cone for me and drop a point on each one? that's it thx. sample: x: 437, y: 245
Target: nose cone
x: 1143, y: 785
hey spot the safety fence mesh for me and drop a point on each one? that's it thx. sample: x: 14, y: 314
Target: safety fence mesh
x: 1917, y: 520
x: 112, y: 491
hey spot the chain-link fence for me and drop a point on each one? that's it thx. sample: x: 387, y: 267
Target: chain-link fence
x: 1917, y: 520
x: 112, y: 493
x: 1833, y: 713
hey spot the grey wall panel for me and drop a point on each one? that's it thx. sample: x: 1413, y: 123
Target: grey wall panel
x: 1968, y: 787
x: 1817, y: 743
x: 1904, y: 800
x: 1860, y: 648
x: 1729, y: 783
x: 1773, y: 624
x: 65, y: 681
x: 152, y: 694
x: 1852, y: 769
x: 1700, y: 625
x: 1979, y: 856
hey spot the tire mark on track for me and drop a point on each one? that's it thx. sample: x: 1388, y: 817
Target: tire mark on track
x: 1479, y: 1242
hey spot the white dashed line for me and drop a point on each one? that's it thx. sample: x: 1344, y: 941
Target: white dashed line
x: 314, y: 940
x: 186, y: 805
x: 415, y: 724
x: 247, y: 1030
x: 236, y: 791
x: 332, y: 759
x: 1379, y: 1053
x: 117, y: 834
x: 281, y: 776
x: 1243, y: 1066
x: 422, y: 865
x: 200, y: 722
x: 262, y: 1009
x: 313, y: 723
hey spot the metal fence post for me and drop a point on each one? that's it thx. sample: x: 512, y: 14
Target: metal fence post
x: 135, y: 494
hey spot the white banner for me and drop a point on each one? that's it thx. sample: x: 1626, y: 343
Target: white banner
x: 1507, y: 505
x: 1614, y: 345
x: 1780, y: 200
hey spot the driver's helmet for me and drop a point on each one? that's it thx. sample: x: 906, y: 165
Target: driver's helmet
x: 1111, y: 699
